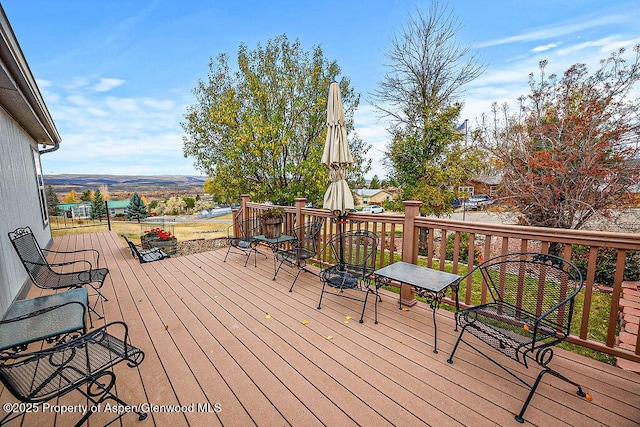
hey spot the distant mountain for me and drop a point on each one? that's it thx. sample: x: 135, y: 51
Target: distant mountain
x: 128, y: 183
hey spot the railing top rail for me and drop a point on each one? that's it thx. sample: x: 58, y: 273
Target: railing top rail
x: 629, y: 241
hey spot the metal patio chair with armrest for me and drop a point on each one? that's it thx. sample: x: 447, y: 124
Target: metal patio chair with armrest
x: 531, y: 298
x: 46, y: 275
x: 242, y: 239
x: 83, y: 363
x: 304, y: 247
x: 145, y: 255
x: 355, y: 254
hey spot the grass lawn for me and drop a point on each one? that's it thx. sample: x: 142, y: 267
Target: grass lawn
x: 182, y: 230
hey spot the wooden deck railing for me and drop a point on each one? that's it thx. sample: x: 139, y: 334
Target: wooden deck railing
x: 404, y: 236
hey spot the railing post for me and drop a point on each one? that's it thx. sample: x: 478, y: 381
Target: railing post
x: 410, y: 244
x: 246, y: 198
x: 300, y: 203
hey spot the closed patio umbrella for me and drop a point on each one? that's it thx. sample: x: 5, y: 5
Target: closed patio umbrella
x: 337, y: 157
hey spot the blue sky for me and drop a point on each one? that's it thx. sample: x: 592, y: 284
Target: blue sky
x: 117, y: 75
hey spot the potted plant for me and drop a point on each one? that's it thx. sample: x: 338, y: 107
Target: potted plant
x: 271, y: 222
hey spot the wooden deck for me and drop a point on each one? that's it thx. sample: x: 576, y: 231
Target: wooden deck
x: 227, y: 335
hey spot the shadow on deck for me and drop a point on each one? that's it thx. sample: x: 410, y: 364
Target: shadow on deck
x: 230, y: 344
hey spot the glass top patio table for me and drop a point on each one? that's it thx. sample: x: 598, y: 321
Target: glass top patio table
x: 274, y: 244
x: 428, y: 283
x: 68, y: 318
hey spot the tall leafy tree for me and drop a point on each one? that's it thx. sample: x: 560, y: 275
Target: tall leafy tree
x: 71, y: 197
x: 260, y: 128
x: 420, y: 95
x: 98, y: 208
x: 136, y: 209
x: 571, y: 151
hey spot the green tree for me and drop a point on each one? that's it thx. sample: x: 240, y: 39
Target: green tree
x: 420, y: 94
x: 375, y: 182
x: 52, y: 200
x: 136, y: 209
x: 190, y: 202
x: 86, y: 196
x: 98, y: 208
x: 260, y: 129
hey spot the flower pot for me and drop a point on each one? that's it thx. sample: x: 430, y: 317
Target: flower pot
x: 272, y: 227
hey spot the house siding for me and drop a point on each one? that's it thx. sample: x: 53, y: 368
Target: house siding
x: 19, y: 204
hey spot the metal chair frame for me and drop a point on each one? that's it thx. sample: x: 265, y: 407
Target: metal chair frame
x: 530, y: 309
x: 355, y: 252
x: 242, y: 239
x: 303, y: 248
x: 145, y: 255
x: 43, y: 274
x: 83, y: 364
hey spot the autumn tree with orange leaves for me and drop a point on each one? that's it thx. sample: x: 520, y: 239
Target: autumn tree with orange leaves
x: 571, y: 151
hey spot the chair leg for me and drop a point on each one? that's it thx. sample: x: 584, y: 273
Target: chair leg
x: 295, y: 278
x: 455, y: 347
x: 321, y: 294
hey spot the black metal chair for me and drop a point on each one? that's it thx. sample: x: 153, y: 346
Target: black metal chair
x: 145, y: 255
x: 242, y: 239
x: 42, y: 273
x: 355, y: 254
x: 83, y: 363
x: 531, y: 298
x: 304, y: 247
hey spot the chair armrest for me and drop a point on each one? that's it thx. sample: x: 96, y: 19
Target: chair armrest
x: 95, y: 251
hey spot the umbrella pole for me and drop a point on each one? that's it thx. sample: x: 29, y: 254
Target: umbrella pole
x: 341, y: 221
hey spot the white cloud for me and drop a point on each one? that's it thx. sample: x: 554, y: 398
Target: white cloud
x: 106, y: 84
x: 545, y: 47
x: 557, y: 30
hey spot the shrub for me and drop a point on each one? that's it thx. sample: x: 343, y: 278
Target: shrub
x: 606, y: 263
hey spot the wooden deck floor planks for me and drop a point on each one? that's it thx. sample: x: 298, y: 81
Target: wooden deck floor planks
x: 224, y: 333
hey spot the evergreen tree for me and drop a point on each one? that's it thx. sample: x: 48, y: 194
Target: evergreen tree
x: 98, y: 208
x: 136, y: 209
x: 375, y: 182
x: 86, y: 196
x: 52, y: 201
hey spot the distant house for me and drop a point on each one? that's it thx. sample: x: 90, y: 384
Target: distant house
x: 482, y: 184
x: 82, y: 210
x: 27, y: 132
x: 368, y: 196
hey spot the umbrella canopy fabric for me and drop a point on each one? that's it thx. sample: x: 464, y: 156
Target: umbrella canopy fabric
x: 337, y: 156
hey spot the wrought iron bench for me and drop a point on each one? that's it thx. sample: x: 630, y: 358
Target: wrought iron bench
x: 531, y: 298
x: 45, y: 275
x: 145, y: 255
x: 83, y: 364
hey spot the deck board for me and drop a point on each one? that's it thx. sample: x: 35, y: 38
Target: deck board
x: 223, y: 333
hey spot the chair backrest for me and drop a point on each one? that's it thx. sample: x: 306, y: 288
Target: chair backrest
x: 307, y: 236
x: 29, y: 252
x: 249, y: 228
x: 356, y: 250
x: 536, y: 283
x: 134, y: 251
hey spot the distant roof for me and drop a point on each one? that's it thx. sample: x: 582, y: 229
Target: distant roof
x: 368, y: 192
x: 117, y: 204
x: 488, y: 179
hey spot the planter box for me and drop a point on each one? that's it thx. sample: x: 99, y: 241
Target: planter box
x: 272, y: 227
x: 167, y: 246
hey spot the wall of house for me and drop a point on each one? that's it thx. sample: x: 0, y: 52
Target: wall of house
x: 19, y: 204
